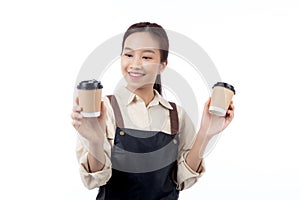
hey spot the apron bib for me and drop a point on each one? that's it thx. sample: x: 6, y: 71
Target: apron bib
x: 144, y: 163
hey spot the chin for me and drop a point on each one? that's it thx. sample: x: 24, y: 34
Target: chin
x: 138, y: 84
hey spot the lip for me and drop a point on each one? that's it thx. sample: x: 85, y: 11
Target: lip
x: 135, y: 75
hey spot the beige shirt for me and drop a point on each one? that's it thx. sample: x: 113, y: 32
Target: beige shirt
x: 154, y: 117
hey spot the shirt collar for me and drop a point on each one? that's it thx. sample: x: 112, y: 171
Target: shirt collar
x: 159, y: 99
x: 129, y: 97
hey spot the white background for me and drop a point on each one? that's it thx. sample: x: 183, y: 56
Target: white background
x: 254, y: 44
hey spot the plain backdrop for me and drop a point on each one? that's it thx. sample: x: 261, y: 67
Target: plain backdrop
x: 254, y: 45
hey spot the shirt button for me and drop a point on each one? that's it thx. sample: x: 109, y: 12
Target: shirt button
x: 122, y: 133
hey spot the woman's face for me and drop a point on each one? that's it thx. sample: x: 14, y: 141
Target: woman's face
x: 140, y: 61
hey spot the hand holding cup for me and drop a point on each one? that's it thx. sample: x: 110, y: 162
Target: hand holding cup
x: 89, y: 113
x: 221, y: 97
x: 218, y: 111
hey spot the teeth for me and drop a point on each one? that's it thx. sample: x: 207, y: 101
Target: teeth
x: 135, y: 74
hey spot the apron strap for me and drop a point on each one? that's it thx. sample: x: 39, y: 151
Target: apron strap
x: 120, y: 123
x: 174, y: 119
x: 117, y: 111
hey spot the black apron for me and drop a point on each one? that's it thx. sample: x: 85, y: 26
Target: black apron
x: 144, y: 163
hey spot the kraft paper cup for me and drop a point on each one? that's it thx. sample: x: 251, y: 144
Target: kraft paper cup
x: 89, y: 95
x: 220, y: 99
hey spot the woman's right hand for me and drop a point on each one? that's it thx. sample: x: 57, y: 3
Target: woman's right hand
x: 91, y: 128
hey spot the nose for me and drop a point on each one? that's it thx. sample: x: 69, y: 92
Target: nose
x: 136, y: 63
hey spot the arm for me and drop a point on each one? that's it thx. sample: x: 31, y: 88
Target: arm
x: 92, y: 179
x: 93, y: 146
x: 186, y: 176
x: 93, y: 130
x: 96, y: 163
x: 210, y: 126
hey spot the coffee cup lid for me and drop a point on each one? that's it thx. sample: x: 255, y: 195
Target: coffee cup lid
x: 90, y: 85
x: 226, y: 85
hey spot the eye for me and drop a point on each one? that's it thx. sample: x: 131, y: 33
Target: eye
x: 147, y: 58
x: 128, y: 55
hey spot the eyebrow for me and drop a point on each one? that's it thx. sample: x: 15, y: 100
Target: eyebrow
x: 146, y: 50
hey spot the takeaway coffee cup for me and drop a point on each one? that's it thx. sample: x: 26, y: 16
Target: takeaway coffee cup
x: 220, y: 99
x: 89, y: 94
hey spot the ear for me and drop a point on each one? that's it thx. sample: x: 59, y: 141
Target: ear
x: 163, y: 65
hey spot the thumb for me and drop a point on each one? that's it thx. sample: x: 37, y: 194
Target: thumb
x: 77, y: 100
x: 103, y: 110
x: 207, y: 104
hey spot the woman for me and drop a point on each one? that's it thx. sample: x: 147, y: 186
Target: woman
x: 142, y: 146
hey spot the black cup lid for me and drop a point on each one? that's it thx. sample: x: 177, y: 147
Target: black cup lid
x: 89, y: 85
x: 226, y: 85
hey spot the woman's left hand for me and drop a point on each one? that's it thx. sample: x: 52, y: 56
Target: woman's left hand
x: 212, y: 124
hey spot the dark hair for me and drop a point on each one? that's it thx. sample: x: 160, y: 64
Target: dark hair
x: 157, y: 31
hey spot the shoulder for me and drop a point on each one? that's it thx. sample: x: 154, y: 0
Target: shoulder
x: 180, y: 110
x: 106, y: 100
x: 183, y: 117
x: 108, y: 106
x: 184, y: 120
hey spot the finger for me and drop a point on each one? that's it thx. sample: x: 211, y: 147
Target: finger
x: 73, y: 124
x: 229, y: 116
x: 206, y: 106
x: 76, y: 116
x: 77, y: 100
x: 230, y: 113
x: 77, y: 109
x: 231, y: 107
x: 76, y: 124
x: 207, y: 103
x: 103, y: 110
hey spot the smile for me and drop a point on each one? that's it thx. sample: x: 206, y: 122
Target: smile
x: 136, y: 74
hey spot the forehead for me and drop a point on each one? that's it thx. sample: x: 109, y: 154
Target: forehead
x: 141, y: 40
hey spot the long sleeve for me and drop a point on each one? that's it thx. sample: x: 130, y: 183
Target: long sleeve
x: 96, y: 179
x: 186, y: 177
x: 154, y: 117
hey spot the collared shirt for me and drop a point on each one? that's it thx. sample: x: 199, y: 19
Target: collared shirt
x: 153, y: 117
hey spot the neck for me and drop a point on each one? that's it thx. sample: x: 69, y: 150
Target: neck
x: 146, y: 93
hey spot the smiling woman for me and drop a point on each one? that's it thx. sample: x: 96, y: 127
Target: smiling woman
x: 158, y: 40
x: 141, y: 62
x: 144, y: 144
